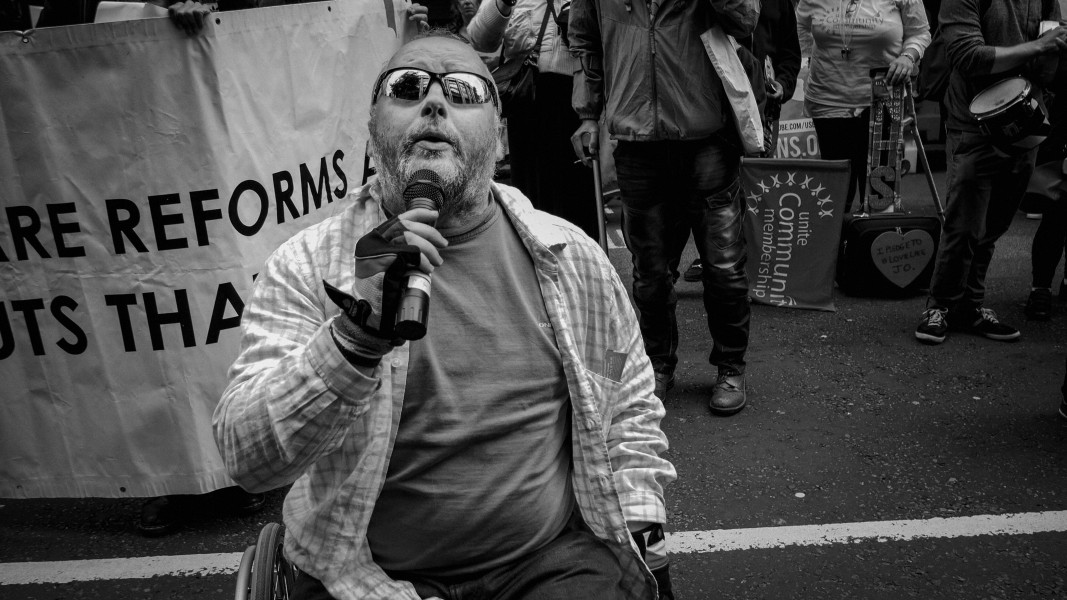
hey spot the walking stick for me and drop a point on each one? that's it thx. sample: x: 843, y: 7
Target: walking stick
x: 599, y: 199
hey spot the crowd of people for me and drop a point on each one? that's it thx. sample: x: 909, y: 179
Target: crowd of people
x: 548, y: 462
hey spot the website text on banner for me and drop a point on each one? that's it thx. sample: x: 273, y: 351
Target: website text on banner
x: 145, y: 177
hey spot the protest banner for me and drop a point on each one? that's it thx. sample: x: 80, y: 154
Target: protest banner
x: 796, y: 132
x: 792, y: 229
x: 146, y: 175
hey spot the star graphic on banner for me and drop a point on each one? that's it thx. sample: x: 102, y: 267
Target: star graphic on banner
x: 764, y: 187
x: 777, y: 182
x: 807, y: 179
x: 790, y: 178
x: 815, y: 191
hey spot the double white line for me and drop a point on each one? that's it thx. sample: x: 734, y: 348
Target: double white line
x: 680, y: 542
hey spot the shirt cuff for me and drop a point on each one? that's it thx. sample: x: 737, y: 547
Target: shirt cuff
x: 339, y: 375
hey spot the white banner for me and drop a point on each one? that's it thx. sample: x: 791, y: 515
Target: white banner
x: 145, y: 175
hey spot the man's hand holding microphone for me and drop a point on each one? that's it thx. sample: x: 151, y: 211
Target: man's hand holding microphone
x: 393, y: 266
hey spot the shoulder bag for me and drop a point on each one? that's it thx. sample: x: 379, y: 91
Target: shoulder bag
x: 515, y: 78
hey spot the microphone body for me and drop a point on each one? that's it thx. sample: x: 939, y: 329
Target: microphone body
x: 413, y: 310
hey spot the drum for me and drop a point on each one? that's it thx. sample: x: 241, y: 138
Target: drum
x: 1010, y: 116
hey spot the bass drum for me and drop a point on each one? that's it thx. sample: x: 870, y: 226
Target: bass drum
x: 1010, y: 116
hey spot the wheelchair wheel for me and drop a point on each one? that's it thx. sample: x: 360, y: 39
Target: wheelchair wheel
x: 244, y: 575
x: 272, y: 576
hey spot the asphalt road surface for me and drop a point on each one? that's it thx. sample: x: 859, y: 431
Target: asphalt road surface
x: 866, y: 465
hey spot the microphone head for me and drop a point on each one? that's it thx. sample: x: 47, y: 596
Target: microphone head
x: 423, y: 190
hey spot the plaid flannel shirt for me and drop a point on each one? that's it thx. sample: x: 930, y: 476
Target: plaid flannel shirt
x: 296, y: 411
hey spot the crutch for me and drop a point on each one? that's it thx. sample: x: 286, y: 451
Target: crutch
x: 598, y: 191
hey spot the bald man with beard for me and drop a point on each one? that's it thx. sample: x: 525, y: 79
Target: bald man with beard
x: 515, y: 450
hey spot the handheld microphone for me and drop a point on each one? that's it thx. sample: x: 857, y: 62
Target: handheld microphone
x: 422, y: 191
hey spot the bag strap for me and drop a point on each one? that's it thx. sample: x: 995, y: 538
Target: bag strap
x: 550, y: 10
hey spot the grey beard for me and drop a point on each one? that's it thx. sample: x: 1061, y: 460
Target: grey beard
x: 465, y: 184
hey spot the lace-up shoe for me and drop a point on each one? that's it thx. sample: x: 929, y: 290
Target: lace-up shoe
x: 728, y: 395
x: 984, y: 322
x: 932, y: 327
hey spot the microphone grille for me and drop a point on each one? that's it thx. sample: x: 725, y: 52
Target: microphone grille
x: 424, y: 185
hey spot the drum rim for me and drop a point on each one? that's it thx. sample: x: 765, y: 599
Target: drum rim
x: 1027, y: 88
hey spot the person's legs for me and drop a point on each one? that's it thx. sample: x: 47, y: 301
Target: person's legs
x: 164, y: 514
x: 969, y: 189
x: 715, y: 211
x: 846, y: 139
x: 565, y: 188
x: 308, y: 588
x: 524, y: 153
x: 650, y: 224
x: 1048, y: 246
x: 1006, y: 192
x: 965, y: 208
x: 575, y: 565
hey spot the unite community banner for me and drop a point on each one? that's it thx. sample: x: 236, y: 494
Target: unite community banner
x: 145, y: 176
x: 792, y: 229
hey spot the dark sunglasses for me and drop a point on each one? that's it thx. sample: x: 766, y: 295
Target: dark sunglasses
x: 411, y: 84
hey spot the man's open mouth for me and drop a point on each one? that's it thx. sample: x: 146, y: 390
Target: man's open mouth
x: 431, y: 141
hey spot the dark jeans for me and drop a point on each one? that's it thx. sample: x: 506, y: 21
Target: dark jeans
x: 985, y: 188
x: 542, y: 159
x: 1050, y: 243
x: 847, y: 139
x: 671, y: 189
x: 575, y: 565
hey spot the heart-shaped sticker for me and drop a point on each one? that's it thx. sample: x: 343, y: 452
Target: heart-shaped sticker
x: 901, y: 258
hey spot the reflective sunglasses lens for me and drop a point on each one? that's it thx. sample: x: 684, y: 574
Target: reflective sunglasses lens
x: 406, y: 84
x: 466, y: 88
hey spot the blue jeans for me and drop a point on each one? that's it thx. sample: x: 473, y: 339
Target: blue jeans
x: 985, y: 188
x: 574, y: 565
x: 671, y: 190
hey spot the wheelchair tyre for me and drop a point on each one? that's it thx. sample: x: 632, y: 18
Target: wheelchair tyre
x: 272, y: 575
x: 244, y: 574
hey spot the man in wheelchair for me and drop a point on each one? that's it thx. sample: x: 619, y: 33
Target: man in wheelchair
x: 514, y: 449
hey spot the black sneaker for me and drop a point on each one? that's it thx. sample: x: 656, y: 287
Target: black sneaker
x: 984, y: 322
x: 1039, y: 305
x: 694, y: 272
x: 933, y: 327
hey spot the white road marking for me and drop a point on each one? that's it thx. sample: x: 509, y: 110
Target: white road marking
x: 686, y: 542
x: 143, y: 567
x: 679, y: 542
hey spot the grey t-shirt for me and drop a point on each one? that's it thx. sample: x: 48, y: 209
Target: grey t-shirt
x: 480, y: 473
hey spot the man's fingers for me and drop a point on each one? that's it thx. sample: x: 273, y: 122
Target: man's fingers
x: 430, y: 256
x: 427, y: 232
x: 579, y: 149
x: 421, y: 215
